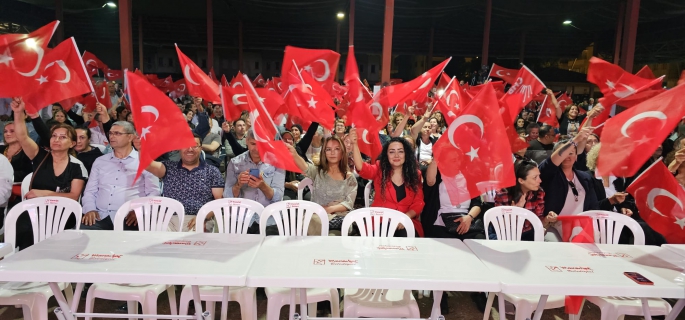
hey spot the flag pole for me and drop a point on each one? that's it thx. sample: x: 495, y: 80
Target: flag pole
x: 447, y: 86
x: 490, y: 72
x: 539, y: 113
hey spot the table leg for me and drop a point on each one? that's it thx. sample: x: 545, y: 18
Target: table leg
x: 303, y: 304
x: 676, y: 309
x: 500, y: 307
x: 291, y: 316
x: 541, y: 307
x: 437, y: 298
x: 224, y: 304
x: 66, y: 310
x: 645, y: 309
x: 77, y: 296
x: 198, y: 303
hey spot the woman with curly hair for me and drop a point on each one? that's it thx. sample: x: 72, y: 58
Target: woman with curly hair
x: 396, y: 178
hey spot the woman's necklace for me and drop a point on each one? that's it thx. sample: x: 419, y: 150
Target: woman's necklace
x: 5, y: 153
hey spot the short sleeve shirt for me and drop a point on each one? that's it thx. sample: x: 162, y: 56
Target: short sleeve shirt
x: 46, y: 179
x: 193, y: 188
x: 211, y: 137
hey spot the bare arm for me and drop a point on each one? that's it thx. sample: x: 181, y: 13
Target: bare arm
x: 416, y: 128
x: 298, y: 160
x: 400, y: 127
x: 432, y: 173
x: 564, y: 151
x: 211, y: 148
x: 157, y: 168
x: 29, y: 146
x: 356, y: 155
x: 557, y: 108
x: 588, y: 124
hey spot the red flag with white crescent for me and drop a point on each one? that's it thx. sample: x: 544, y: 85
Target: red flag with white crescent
x: 508, y: 75
x: 197, y: 82
x: 92, y: 63
x: 159, y: 124
x: 112, y: 75
x: 321, y: 64
x: 548, y: 113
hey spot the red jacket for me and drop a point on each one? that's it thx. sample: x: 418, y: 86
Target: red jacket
x: 413, y: 200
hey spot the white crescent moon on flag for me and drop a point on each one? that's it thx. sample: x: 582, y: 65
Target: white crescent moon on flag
x: 150, y: 109
x: 377, y: 106
x: 426, y: 83
x: 498, y: 73
x: 237, y: 84
x: 462, y: 120
x: 186, y: 72
x: 656, y: 192
x: 32, y: 73
x: 447, y: 99
x: 91, y: 60
x: 360, y: 98
x: 236, y: 99
x: 326, y: 72
x: 104, y: 92
x: 548, y: 112
x: 647, y: 114
x: 365, y: 136
x: 60, y: 63
x: 110, y: 75
x: 184, y: 86
x: 574, y: 232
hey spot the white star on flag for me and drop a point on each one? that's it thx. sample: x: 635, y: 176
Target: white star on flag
x: 473, y: 153
x: 680, y: 222
x: 644, y: 140
x: 42, y: 79
x: 146, y: 130
x: 5, y: 58
x: 308, y: 68
x: 312, y: 103
x: 610, y: 84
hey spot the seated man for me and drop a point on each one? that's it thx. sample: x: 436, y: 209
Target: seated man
x: 110, y: 182
x: 190, y: 181
x: 265, y: 188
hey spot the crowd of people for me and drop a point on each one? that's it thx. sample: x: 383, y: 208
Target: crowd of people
x: 93, y: 158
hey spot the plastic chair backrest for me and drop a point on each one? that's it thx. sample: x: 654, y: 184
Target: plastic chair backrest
x: 306, y: 182
x: 508, y: 223
x: 233, y: 215
x: 367, y: 194
x: 48, y: 216
x: 4, y: 211
x: 293, y: 217
x: 378, y: 222
x: 99, y: 146
x: 152, y: 213
x: 608, y: 226
x: 25, y: 184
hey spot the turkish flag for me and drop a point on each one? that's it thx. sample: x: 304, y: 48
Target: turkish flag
x: 524, y: 88
x: 414, y: 90
x: 197, y: 82
x: 102, y: 93
x: 224, y: 81
x: 164, y: 85
x: 576, y: 229
x: 89, y: 103
x: 274, y: 104
x: 444, y: 81
x: 307, y: 100
x: 61, y: 75
x: 321, y: 64
x: 564, y: 101
x: 452, y: 101
x: 646, y: 73
x: 159, y: 124
x: 473, y: 91
x: 659, y: 198
x: 632, y: 136
x: 482, y: 156
x: 338, y: 91
x: 508, y: 75
x: 233, y: 101
x: 21, y: 56
x: 277, y: 84
x: 271, y: 151
x: 178, y: 89
x: 259, y: 81
x: 548, y: 113
x: 112, y: 75
x: 68, y: 103
x: 93, y: 64
x: 212, y: 75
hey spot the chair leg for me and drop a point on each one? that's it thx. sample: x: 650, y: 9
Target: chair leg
x: 211, y: 307
x: 335, y: 303
x: 311, y: 309
x: 184, y: 303
x: 149, y: 306
x: 132, y: 307
x: 26, y: 310
x: 273, y: 310
x: 523, y: 311
x: 488, y: 305
x: 39, y: 310
x: 90, y: 301
x: 248, y: 305
x: 69, y: 294
x: 171, y: 292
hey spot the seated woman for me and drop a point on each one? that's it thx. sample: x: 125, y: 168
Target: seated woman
x: 526, y: 194
x: 334, y: 186
x: 55, y: 172
x: 396, y: 179
x: 86, y: 153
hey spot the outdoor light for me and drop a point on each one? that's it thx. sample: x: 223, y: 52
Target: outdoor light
x: 110, y: 4
x: 567, y: 22
x: 31, y: 43
x: 341, y: 15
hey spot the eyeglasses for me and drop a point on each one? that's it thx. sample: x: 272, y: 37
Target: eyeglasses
x: 117, y: 133
x: 573, y: 189
x: 194, y: 147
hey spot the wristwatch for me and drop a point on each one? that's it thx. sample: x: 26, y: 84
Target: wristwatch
x: 574, y: 144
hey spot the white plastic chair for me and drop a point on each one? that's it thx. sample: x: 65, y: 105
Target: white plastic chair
x: 25, y: 184
x: 608, y: 226
x: 99, y: 146
x: 367, y: 194
x: 4, y: 211
x: 48, y: 216
x: 306, y: 182
x: 508, y: 223
x: 233, y: 215
x: 292, y: 219
x: 379, y: 303
x: 153, y: 214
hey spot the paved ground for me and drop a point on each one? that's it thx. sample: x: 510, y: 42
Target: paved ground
x: 461, y: 307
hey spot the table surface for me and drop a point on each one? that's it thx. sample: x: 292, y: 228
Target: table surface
x: 677, y: 248
x: 373, y: 263
x: 527, y: 267
x: 180, y: 258
x: 5, y: 249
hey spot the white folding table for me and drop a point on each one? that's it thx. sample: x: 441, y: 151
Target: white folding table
x: 547, y: 268
x: 5, y: 249
x: 174, y: 258
x: 361, y: 262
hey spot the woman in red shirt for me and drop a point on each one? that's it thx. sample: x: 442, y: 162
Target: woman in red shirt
x: 396, y: 179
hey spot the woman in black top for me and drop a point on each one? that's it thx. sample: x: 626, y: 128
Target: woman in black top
x: 569, y: 120
x: 55, y: 172
x: 86, y: 153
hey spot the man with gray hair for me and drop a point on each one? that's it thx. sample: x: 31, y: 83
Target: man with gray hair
x: 110, y: 183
